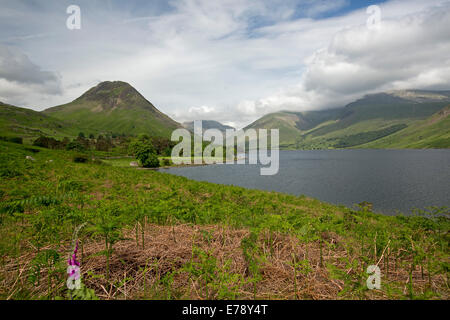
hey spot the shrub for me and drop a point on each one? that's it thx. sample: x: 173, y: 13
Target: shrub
x: 150, y: 161
x: 7, y: 172
x: 143, y: 150
x: 163, y: 146
x: 166, y: 162
x: 47, y: 142
x: 41, y: 142
x: 102, y: 145
x: 18, y: 140
x: 32, y: 150
x: 80, y: 158
x: 75, y: 145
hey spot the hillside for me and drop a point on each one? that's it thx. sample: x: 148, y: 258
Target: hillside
x: 115, y: 107
x: 26, y: 123
x: 433, y: 132
x: 292, y: 124
x: 151, y: 235
x: 368, y: 119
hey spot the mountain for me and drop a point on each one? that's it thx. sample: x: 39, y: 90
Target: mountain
x: 393, y: 119
x: 365, y: 120
x: 114, y: 107
x: 207, y: 124
x: 292, y: 124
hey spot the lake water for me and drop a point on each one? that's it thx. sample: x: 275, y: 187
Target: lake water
x: 393, y: 180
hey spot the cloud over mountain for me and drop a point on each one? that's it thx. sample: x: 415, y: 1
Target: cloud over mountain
x: 408, y: 52
x: 234, y: 60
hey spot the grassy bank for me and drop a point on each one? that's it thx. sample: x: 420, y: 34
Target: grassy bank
x: 150, y: 235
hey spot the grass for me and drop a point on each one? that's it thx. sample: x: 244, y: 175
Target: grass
x: 119, y: 162
x: 151, y: 235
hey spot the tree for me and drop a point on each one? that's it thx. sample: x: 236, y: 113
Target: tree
x: 81, y: 135
x: 65, y: 142
x: 102, y: 144
x: 75, y: 145
x: 83, y: 141
x: 143, y: 136
x: 47, y: 142
x: 162, y: 145
x: 144, y: 152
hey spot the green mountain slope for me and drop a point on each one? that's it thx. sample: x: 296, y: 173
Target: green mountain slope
x: 28, y: 124
x: 284, y: 121
x: 433, y: 132
x: 368, y: 119
x: 115, y: 107
x: 293, y: 124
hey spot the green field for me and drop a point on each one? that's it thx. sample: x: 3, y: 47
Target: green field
x: 150, y: 235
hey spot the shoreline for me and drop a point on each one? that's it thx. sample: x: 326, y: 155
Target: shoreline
x: 188, y: 165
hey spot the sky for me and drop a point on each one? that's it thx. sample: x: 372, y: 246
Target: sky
x: 231, y: 60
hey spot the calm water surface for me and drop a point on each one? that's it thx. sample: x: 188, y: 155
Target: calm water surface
x: 393, y: 180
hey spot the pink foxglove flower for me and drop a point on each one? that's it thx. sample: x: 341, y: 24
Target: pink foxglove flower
x: 73, y: 270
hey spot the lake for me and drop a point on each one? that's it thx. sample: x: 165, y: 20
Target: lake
x: 393, y: 180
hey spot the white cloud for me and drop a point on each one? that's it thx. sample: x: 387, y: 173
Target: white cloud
x: 197, y: 112
x: 410, y: 51
x: 317, y: 7
x: 235, y: 60
x: 19, y: 77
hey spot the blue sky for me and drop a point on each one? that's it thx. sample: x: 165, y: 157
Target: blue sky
x: 230, y: 60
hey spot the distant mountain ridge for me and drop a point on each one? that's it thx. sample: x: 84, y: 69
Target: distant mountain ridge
x: 367, y: 119
x: 392, y: 119
x: 420, y: 96
x: 207, y: 124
